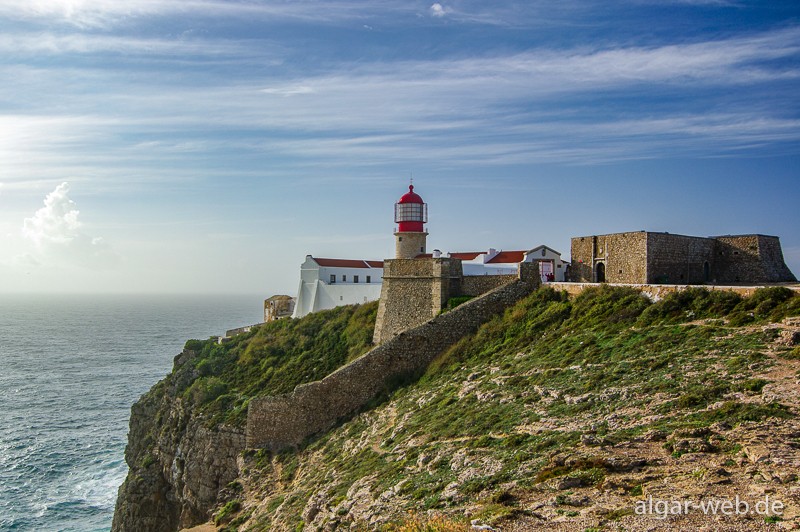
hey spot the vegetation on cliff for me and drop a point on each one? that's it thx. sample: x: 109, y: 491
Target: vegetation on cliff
x: 274, y: 358
x: 488, y: 425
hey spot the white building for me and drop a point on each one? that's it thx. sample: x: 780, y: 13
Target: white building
x: 329, y: 283
x: 495, y: 262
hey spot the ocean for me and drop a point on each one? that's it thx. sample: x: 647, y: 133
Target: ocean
x: 72, y: 366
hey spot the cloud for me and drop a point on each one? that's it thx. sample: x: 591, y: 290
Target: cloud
x: 288, y: 91
x: 57, y: 235
x: 704, y: 97
x: 437, y: 10
x: 182, y: 49
x: 109, y: 13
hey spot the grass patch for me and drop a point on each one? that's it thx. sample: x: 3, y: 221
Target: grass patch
x: 225, y: 514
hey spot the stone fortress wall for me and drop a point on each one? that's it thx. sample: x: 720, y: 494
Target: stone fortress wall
x: 475, y: 285
x: 663, y: 258
x: 416, y: 290
x: 624, y: 256
x: 413, y: 292
x: 678, y: 259
x: 751, y: 258
x: 287, y: 420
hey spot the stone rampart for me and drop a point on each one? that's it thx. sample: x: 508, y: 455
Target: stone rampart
x: 475, y: 285
x: 621, y: 256
x: 648, y: 258
x: 679, y: 259
x: 751, y: 258
x: 414, y: 291
x: 285, y: 421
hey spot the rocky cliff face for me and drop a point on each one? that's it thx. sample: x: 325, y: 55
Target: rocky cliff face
x: 179, y: 467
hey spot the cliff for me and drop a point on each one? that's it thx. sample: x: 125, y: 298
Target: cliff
x: 187, y: 432
x: 562, y: 413
x: 178, y: 465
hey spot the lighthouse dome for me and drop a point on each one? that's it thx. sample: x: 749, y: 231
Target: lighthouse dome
x: 411, y: 196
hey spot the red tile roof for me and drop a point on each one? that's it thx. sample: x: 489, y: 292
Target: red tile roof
x: 507, y: 257
x: 348, y: 263
x: 466, y: 255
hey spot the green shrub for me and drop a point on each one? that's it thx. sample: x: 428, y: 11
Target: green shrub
x: 794, y: 354
x: 453, y: 302
x: 226, y: 513
x: 205, y: 389
x: 735, y: 413
x: 753, y: 385
x: 194, y: 345
x: 691, y: 304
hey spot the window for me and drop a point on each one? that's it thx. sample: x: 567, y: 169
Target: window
x: 333, y: 278
x: 369, y: 279
x: 421, y: 249
x: 344, y: 278
x: 411, y: 212
x: 355, y: 278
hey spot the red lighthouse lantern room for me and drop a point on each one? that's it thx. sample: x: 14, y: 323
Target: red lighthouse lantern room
x: 410, y: 214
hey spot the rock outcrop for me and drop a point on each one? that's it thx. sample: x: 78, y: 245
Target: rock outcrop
x: 178, y: 465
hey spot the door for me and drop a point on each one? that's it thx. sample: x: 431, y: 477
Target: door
x: 600, y: 273
x: 546, y: 271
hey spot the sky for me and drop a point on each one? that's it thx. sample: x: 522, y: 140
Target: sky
x: 208, y: 146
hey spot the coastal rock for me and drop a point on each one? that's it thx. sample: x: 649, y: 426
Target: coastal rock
x: 178, y: 466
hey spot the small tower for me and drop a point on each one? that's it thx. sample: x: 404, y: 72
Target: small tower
x: 410, y: 213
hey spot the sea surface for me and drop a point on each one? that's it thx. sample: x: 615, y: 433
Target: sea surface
x: 70, y: 369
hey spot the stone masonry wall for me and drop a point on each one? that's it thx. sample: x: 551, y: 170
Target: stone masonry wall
x: 751, y: 258
x: 663, y: 258
x: 409, y: 245
x: 475, y: 285
x: 285, y: 421
x: 623, y: 255
x: 414, y: 291
x: 678, y: 259
x: 626, y: 257
x: 581, y: 252
x: 775, y: 267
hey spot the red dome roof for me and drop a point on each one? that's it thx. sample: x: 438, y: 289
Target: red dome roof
x: 411, y: 196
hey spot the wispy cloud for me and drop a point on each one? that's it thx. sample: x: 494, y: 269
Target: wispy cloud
x: 49, y: 43
x: 515, y: 108
x: 105, y: 13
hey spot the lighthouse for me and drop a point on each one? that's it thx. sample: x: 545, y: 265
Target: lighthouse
x: 410, y: 215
